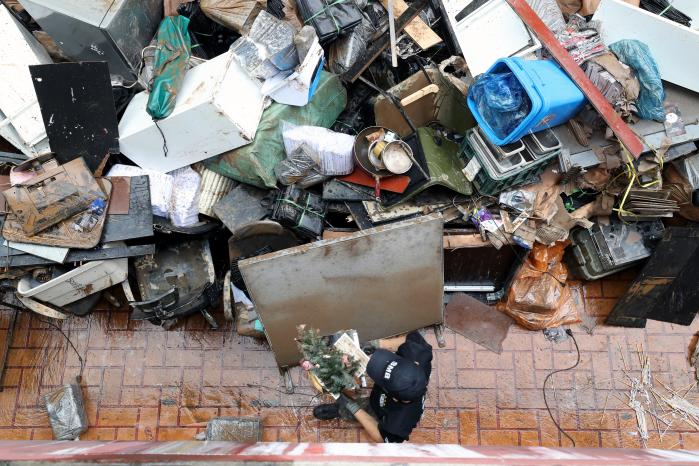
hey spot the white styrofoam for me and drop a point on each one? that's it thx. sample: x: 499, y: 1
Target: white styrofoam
x: 78, y: 283
x: 217, y: 110
x: 674, y: 47
x: 20, y: 119
x: 491, y: 32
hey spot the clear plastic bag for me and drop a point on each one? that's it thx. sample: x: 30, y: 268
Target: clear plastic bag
x: 502, y: 101
x: 299, y: 168
x: 637, y: 55
x: 331, y: 151
x: 550, y: 13
x: 66, y: 411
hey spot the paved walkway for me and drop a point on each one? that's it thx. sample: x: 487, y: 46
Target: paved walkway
x: 142, y: 382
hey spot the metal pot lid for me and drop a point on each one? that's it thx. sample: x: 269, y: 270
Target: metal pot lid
x: 396, y: 156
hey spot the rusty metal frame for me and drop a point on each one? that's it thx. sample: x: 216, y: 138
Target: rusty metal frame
x: 622, y: 131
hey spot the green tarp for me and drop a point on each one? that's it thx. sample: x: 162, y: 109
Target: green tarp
x: 254, y: 164
x: 174, y: 48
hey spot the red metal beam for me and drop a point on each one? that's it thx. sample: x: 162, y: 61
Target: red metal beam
x: 622, y: 131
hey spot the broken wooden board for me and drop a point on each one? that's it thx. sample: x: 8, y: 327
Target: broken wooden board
x: 665, y: 290
x: 478, y: 322
x: 382, y: 282
x: 417, y: 29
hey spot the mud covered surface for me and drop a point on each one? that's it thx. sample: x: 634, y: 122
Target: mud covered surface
x: 142, y: 382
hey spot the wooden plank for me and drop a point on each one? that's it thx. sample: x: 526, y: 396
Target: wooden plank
x: 464, y: 241
x: 622, y: 131
x: 417, y: 29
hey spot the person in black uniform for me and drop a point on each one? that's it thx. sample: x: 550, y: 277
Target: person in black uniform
x: 396, y: 403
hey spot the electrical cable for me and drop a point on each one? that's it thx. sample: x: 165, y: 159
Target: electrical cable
x: 163, y: 136
x: 80, y: 359
x: 577, y: 362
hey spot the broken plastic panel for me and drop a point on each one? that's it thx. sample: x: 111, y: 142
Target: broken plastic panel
x: 77, y: 283
x: 77, y: 106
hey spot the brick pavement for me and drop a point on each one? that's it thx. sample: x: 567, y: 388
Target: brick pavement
x: 142, y: 382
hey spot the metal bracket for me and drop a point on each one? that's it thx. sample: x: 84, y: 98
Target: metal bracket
x: 288, y: 382
x: 439, y: 335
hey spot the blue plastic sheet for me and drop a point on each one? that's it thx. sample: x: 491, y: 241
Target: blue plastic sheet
x: 174, y: 48
x: 637, y: 55
x: 502, y: 102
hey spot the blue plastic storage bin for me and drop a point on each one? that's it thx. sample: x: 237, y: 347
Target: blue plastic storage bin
x: 555, y: 98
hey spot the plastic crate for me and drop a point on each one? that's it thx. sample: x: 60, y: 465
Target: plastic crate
x: 487, y: 180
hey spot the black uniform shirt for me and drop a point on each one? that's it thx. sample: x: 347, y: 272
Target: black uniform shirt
x: 398, y: 419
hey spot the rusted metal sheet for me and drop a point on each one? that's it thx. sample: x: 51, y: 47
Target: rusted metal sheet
x: 666, y: 289
x: 622, y: 131
x: 382, y: 282
x: 477, y: 321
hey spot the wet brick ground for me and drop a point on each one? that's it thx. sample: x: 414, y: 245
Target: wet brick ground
x: 142, y: 382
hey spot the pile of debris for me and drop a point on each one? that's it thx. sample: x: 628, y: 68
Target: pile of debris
x: 348, y: 165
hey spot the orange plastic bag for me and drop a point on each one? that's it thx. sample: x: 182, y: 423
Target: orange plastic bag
x: 538, y: 297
